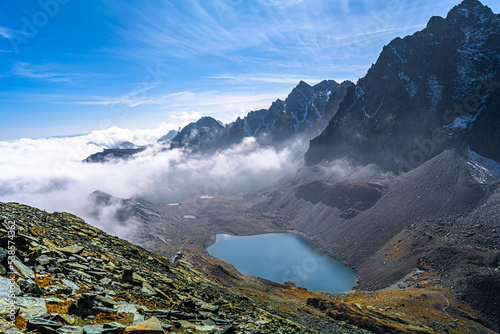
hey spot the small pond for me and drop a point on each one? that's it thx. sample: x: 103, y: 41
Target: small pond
x: 281, y: 258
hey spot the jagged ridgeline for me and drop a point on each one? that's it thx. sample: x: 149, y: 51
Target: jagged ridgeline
x: 306, y: 111
x: 434, y: 90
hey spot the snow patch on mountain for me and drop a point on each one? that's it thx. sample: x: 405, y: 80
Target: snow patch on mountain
x: 434, y: 91
x: 483, y: 163
x: 410, y: 86
x: 397, y: 54
x: 460, y: 124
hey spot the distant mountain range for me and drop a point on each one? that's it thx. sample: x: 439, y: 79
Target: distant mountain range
x: 434, y: 90
x: 306, y: 111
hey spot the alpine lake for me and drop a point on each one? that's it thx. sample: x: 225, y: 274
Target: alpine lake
x: 284, y: 257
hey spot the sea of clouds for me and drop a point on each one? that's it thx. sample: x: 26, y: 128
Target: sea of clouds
x: 49, y: 173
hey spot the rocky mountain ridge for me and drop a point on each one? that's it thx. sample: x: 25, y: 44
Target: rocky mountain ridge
x: 428, y: 92
x: 307, y: 109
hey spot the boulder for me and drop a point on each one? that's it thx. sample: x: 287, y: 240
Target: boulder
x: 29, y: 287
x: 24, y: 270
x: 70, y: 330
x: 150, y: 326
x: 73, y: 249
x: 98, y: 329
x: 128, y: 275
x: 43, y: 326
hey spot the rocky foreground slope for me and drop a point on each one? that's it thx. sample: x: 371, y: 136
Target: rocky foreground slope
x: 72, y: 278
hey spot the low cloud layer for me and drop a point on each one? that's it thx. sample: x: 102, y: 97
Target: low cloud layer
x: 49, y: 173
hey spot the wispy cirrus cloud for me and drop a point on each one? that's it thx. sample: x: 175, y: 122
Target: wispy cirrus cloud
x: 265, y: 78
x: 106, y: 101
x: 203, y: 30
x: 7, y: 33
x: 131, y: 99
x: 302, y: 37
x: 280, y: 3
x: 187, y: 105
x: 187, y: 34
x: 47, y: 72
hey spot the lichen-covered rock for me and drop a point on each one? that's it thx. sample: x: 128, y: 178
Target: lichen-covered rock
x: 151, y: 326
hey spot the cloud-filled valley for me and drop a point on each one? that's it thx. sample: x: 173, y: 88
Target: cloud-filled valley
x: 49, y: 173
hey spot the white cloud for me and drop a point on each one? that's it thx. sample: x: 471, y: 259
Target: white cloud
x: 7, y: 33
x: 48, y: 71
x: 186, y: 117
x: 280, y: 3
x: 188, y: 106
x: 49, y: 173
x: 266, y: 78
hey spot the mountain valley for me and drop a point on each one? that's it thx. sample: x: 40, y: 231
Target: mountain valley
x: 400, y: 182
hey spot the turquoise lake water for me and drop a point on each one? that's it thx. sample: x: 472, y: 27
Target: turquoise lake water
x: 281, y: 258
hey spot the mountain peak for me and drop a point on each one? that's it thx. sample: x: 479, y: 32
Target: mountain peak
x: 303, y: 85
x: 209, y: 121
x: 169, y: 136
x: 326, y: 84
x: 470, y: 10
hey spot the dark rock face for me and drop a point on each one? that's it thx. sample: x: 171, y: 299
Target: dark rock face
x: 350, y: 196
x: 426, y: 93
x: 307, y: 109
x: 484, y: 136
x: 123, y: 151
x: 198, y: 135
x: 112, y: 154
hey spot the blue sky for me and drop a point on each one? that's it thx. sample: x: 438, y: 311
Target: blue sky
x: 72, y: 66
